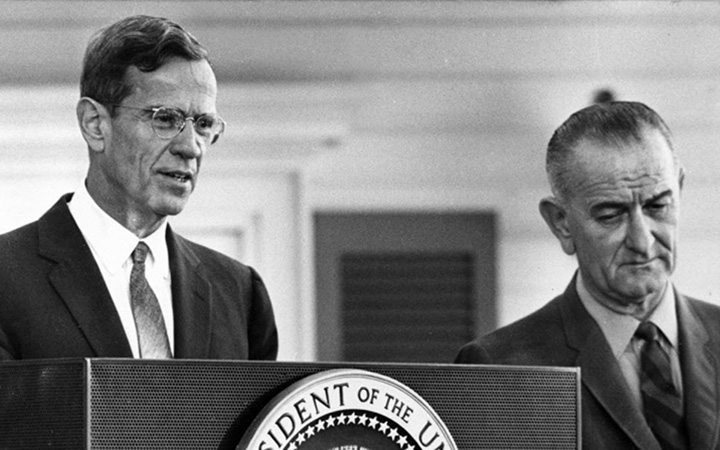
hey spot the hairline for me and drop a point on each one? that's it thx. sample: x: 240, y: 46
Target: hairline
x: 175, y: 43
x: 645, y: 130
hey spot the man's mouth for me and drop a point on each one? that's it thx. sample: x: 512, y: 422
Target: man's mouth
x: 643, y: 263
x: 180, y: 177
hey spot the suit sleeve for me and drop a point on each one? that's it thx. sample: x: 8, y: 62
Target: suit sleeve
x: 262, y: 332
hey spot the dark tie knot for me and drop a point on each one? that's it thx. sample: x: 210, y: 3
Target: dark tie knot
x: 140, y: 253
x: 647, y: 331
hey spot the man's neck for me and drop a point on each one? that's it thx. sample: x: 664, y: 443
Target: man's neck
x: 640, y: 308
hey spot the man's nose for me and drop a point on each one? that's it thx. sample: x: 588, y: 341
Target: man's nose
x: 186, y: 143
x: 639, y: 237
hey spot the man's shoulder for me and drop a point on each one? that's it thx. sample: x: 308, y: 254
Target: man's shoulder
x: 544, y: 321
x: 58, y: 212
x: 19, y: 234
x: 531, y: 340
x: 22, y: 238
x: 28, y: 246
x: 699, y: 303
x: 705, y: 311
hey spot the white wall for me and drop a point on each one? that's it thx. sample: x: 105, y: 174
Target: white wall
x: 385, y: 106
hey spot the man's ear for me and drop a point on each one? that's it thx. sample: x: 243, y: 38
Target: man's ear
x: 681, y: 177
x: 555, y: 215
x: 94, y: 120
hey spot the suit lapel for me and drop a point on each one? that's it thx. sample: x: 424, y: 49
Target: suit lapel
x: 79, y: 282
x: 600, y: 371
x: 700, y: 377
x: 191, y: 292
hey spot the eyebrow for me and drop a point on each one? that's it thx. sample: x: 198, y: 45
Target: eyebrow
x: 663, y: 194
x: 617, y: 205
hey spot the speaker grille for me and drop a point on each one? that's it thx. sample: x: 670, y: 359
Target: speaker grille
x: 209, y: 404
x: 510, y: 410
x: 168, y: 406
x: 41, y: 406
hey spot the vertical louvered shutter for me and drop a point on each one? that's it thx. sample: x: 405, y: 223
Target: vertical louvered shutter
x: 406, y: 306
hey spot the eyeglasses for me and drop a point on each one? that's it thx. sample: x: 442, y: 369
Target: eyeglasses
x: 167, y: 122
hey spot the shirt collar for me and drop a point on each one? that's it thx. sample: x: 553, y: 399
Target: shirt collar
x: 159, y: 251
x: 111, y: 242
x: 620, y: 328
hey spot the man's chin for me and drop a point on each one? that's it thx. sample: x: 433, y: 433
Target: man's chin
x: 170, y: 207
x: 638, y: 291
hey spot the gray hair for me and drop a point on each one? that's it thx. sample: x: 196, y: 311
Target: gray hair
x: 144, y: 42
x: 609, y: 123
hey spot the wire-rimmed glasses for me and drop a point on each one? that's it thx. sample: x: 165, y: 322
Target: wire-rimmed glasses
x: 167, y: 122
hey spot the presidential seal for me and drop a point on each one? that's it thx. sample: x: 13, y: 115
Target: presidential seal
x: 347, y: 409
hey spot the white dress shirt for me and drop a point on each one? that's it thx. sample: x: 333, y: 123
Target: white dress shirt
x: 619, y: 332
x: 112, y: 246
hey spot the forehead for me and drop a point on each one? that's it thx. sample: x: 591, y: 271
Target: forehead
x: 178, y: 82
x: 619, y: 169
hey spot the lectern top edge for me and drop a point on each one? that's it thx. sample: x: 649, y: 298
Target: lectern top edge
x: 328, y: 364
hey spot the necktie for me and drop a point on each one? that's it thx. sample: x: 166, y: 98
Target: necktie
x: 662, y: 402
x: 149, y: 321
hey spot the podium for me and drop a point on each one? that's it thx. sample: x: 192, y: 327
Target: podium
x: 200, y: 404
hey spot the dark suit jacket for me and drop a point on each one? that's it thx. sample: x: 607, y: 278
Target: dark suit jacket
x: 563, y: 333
x: 54, y: 302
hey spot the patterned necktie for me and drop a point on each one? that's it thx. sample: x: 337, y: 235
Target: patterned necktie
x: 662, y: 402
x: 149, y: 321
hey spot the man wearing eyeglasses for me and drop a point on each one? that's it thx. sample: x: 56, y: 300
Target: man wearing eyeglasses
x: 102, y: 274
